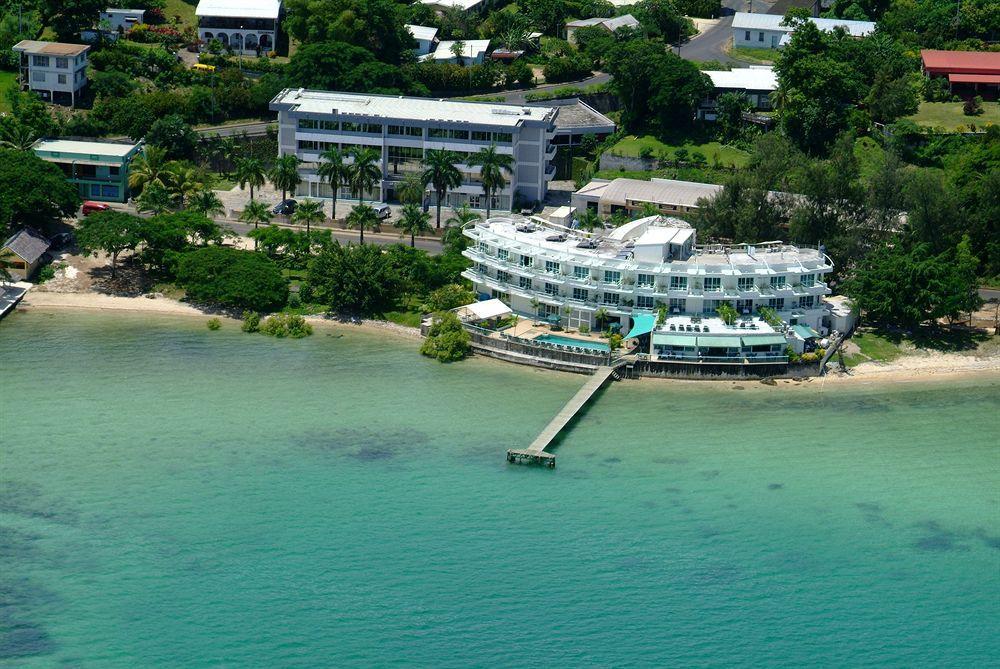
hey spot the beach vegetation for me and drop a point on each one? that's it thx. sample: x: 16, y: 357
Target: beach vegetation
x: 32, y: 191
x: 232, y: 278
x: 251, y: 321
x: 286, y: 325
x: 110, y: 232
x: 214, y: 323
x: 447, y: 340
x: 355, y: 279
x: 413, y: 221
x: 449, y: 297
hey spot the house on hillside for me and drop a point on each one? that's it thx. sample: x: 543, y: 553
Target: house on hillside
x: 122, y: 20
x: 766, y: 31
x: 756, y: 83
x: 251, y: 27
x: 969, y: 73
x: 473, y: 52
x: 613, y: 24
x: 425, y: 37
x: 57, y: 71
x: 23, y: 252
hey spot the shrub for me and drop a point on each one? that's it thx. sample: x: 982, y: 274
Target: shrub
x: 584, y: 328
x: 214, y: 324
x: 232, y: 278
x: 294, y: 300
x: 448, y: 297
x: 446, y: 340
x: 810, y: 357
x: 973, y: 106
x: 286, y: 325
x: 566, y: 68
x: 251, y: 321
x: 615, y: 341
x: 306, y: 292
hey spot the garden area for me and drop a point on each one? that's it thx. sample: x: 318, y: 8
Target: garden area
x: 951, y: 116
x: 648, y: 146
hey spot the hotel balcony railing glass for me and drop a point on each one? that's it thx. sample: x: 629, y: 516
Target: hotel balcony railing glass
x: 733, y: 359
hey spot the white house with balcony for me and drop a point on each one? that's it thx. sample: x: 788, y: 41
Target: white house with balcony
x: 250, y: 27
x: 57, y: 71
x: 401, y: 129
x: 639, y: 268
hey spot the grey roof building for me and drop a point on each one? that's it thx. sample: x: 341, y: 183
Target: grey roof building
x: 27, y: 246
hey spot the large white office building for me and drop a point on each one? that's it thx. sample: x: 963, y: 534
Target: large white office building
x: 402, y: 129
x: 545, y: 269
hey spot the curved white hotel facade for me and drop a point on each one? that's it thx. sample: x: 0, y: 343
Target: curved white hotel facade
x: 636, y: 267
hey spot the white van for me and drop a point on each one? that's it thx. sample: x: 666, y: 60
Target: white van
x: 382, y: 210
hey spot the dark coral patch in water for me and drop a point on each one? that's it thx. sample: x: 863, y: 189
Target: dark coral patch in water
x: 775, y: 486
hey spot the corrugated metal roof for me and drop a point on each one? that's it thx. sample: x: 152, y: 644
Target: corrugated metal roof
x: 239, y: 9
x: 658, y: 191
x: 745, y: 78
x: 748, y: 21
x: 28, y: 244
x: 422, y: 32
x: 674, y: 339
x: 967, y: 62
x: 763, y: 340
x: 719, y: 342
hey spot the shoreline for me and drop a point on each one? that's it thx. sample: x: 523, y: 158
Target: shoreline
x: 909, y: 369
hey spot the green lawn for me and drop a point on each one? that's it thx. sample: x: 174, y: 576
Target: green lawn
x: 699, y: 175
x: 8, y: 81
x: 948, y: 115
x: 726, y: 155
x: 753, y: 56
x: 182, y: 8
x: 869, y: 156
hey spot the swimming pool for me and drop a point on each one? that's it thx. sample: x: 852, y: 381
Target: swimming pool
x: 569, y: 341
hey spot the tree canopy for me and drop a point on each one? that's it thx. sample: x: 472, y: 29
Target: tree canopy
x: 354, y: 278
x: 232, y: 278
x: 33, y: 191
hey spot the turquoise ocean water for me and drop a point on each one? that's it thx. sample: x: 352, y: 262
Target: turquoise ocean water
x: 175, y: 497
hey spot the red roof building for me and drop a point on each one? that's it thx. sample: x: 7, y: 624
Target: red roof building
x: 973, y: 69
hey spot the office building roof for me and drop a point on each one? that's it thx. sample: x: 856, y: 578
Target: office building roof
x: 407, y: 108
x: 745, y: 78
x: 239, y: 9
x: 35, y: 47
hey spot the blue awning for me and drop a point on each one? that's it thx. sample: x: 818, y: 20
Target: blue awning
x: 644, y: 324
x: 805, y: 332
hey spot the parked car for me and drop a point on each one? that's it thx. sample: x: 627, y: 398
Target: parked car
x: 382, y: 210
x: 62, y: 240
x: 90, y: 207
x: 285, y: 207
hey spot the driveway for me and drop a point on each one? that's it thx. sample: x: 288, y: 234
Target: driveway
x: 711, y: 44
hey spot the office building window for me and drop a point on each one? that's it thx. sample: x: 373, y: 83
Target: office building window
x: 503, y: 138
x: 480, y: 136
x: 308, y: 124
x: 329, y: 125
x: 581, y: 294
x: 645, y: 302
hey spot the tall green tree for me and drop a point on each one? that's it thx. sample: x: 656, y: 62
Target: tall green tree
x: 364, y: 172
x: 361, y: 218
x: 33, y: 191
x: 492, y: 166
x: 414, y: 221
x: 441, y: 173
x: 250, y: 172
x: 333, y: 170
x: 232, y: 278
x: 354, y: 278
x: 149, y: 167
x: 309, y: 212
x: 284, y: 174
x: 206, y: 203
x: 257, y: 213
x: 110, y: 232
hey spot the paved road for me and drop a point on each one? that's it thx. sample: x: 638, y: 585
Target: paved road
x: 432, y: 246
x: 252, y: 129
x: 989, y: 294
x: 711, y: 44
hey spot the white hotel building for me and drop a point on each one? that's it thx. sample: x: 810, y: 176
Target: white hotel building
x: 403, y: 128
x: 636, y: 267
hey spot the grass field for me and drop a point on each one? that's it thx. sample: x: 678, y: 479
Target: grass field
x: 8, y: 81
x: 726, y: 155
x: 948, y: 115
x: 182, y: 8
x: 753, y: 56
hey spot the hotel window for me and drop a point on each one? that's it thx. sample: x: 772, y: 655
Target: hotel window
x: 611, y: 298
x: 645, y: 280
x: 645, y: 302
x: 581, y: 294
x: 777, y: 303
x: 777, y: 281
x: 503, y: 138
x: 709, y: 306
x: 482, y: 269
x: 713, y: 283
x: 612, y: 276
x: 503, y: 254
x: 678, y: 283
x: 484, y: 248
x: 480, y: 136
x: 308, y: 124
x: 525, y: 261
x: 502, y: 276
x: 745, y: 283
x: 551, y: 289
x: 744, y: 306
x: 551, y: 267
x: 581, y: 272
x: 806, y: 302
x: 677, y: 305
x: 62, y: 78
x: 808, y: 279
x: 524, y: 282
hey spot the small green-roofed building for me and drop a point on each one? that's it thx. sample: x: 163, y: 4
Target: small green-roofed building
x: 98, y: 168
x: 764, y: 340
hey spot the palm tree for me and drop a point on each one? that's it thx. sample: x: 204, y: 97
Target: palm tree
x: 601, y: 317
x: 462, y: 216
x: 590, y: 220
x: 183, y: 182
x: 492, y: 166
x: 309, y: 212
x: 441, y: 173
x: 17, y: 136
x: 363, y: 218
x: 364, y: 172
x: 334, y: 171
x: 230, y: 149
x: 458, y: 51
x: 250, y: 172
x: 411, y: 189
x: 150, y: 167
x: 154, y: 198
x: 284, y: 174
x: 206, y: 202
x: 414, y: 221
x: 256, y: 213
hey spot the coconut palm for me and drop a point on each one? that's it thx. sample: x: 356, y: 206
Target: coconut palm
x: 256, y: 213
x: 17, y: 136
x: 363, y: 172
x: 492, y: 166
x: 334, y: 171
x: 411, y: 189
x: 363, y: 218
x: 462, y: 216
x: 284, y: 174
x: 231, y: 150
x: 183, y: 182
x: 206, y: 202
x: 154, y: 198
x: 150, y: 167
x: 309, y: 212
x: 413, y: 222
x: 250, y: 172
x: 441, y: 173
x: 458, y: 51
x: 590, y: 220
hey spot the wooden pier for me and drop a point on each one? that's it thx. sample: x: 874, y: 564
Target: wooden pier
x: 535, y: 453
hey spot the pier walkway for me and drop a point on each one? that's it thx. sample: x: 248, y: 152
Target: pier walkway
x: 536, y: 453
